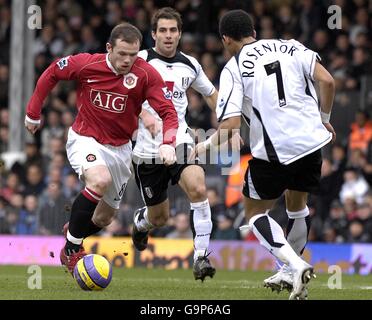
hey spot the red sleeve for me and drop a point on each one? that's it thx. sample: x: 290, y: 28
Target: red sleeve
x: 66, y: 68
x: 160, y: 99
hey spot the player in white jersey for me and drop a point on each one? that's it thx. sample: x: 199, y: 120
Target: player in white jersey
x: 270, y: 84
x: 180, y: 72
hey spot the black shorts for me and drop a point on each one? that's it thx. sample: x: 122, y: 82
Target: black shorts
x: 267, y: 180
x: 153, y: 178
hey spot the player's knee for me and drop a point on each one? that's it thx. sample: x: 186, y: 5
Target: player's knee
x: 198, y: 192
x: 101, y: 183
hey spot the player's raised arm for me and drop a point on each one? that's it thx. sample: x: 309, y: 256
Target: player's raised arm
x: 66, y: 68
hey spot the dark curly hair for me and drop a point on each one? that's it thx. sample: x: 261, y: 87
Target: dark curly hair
x: 236, y: 24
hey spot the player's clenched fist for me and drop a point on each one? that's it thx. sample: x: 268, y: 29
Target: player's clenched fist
x: 167, y: 154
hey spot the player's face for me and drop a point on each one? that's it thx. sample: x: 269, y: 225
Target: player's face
x: 167, y: 37
x: 123, y: 55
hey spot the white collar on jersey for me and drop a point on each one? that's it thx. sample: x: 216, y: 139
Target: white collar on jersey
x: 110, y: 65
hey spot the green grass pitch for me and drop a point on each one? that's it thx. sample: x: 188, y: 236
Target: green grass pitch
x: 160, y: 284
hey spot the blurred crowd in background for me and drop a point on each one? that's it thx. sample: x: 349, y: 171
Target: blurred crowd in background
x: 36, y: 195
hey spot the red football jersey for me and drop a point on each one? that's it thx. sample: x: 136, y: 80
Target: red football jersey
x: 108, y: 103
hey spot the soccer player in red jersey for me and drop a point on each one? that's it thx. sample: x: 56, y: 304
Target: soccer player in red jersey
x: 111, y: 89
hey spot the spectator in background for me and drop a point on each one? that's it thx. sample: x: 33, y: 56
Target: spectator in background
x: 5, y: 19
x: 354, y: 186
x: 287, y: 21
x: 53, y: 213
x: 360, y: 66
x: 12, y: 186
x: 115, y: 229
x: 182, y: 227
x: 71, y: 186
x: 361, y: 131
x: 338, y: 159
x: 225, y: 229
x: 321, y: 44
x: 60, y: 163
x: 350, y: 207
x: 34, y: 180
x: 4, y: 116
x: 336, y: 221
x: 310, y: 19
x: 13, y: 211
x: 360, y: 25
x: 47, y: 43
x: 4, y: 227
x: 4, y: 85
x: 198, y: 113
x: 329, y: 189
x: 33, y: 157
x: 364, y: 215
x: 356, y: 232
x: 4, y: 138
x: 27, y: 219
x: 88, y: 42
x: 53, y: 129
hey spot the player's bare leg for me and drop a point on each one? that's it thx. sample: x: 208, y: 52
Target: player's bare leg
x: 147, y: 218
x: 102, y: 217
x: 97, y: 180
x: 192, y: 181
x: 271, y: 236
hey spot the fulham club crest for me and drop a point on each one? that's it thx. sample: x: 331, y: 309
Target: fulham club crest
x: 130, y: 80
x: 149, y: 193
x: 185, y: 82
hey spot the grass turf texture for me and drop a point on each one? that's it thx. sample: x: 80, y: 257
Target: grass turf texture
x: 160, y: 284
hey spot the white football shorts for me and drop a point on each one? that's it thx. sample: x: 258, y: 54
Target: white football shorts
x: 85, y: 152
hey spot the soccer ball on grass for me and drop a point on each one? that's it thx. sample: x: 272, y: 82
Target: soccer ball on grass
x: 93, y: 272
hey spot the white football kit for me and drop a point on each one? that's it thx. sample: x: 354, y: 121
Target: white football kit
x: 179, y: 73
x: 270, y: 83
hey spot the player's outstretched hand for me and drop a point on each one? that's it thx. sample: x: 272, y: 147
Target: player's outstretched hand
x: 167, y: 154
x: 331, y: 130
x: 31, y: 127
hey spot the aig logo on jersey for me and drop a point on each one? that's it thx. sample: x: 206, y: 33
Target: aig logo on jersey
x: 108, y: 101
x: 130, y: 80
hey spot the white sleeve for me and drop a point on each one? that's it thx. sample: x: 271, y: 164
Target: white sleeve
x: 143, y: 54
x: 307, y: 58
x: 202, y: 84
x: 230, y: 94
